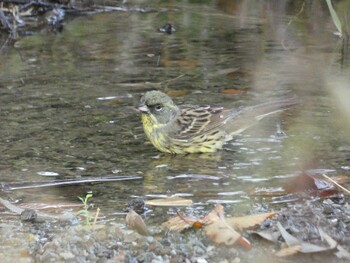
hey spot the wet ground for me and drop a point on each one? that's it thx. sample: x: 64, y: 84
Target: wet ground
x: 67, y: 111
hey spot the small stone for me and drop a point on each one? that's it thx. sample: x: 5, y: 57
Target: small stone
x: 29, y: 215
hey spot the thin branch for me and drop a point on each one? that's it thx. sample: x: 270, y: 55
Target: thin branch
x: 334, y: 182
x: 40, y: 184
x: 96, y: 216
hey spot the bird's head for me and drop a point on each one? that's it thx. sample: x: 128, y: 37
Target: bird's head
x: 158, y: 107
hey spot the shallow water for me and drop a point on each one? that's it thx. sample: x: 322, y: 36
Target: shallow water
x: 67, y: 101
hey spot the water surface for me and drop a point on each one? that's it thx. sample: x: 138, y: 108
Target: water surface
x: 67, y: 101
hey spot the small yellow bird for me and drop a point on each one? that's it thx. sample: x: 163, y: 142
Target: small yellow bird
x: 198, y: 129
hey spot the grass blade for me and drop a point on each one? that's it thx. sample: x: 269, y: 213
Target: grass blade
x: 335, y: 18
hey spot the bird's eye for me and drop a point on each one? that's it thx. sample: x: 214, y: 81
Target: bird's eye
x: 158, y: 107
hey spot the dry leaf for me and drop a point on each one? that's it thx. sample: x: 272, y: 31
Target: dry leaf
x: 171, y: 201
x: 135, y: 222
x: 288, y: 251
x: 290, y: 240
x: 179, y: 223
x: 268, y: 235
x: 307, y: 182
x: 217, y: 229
x: 305, y: 247
x: 331, y: 242
x: 240, y: 223
x: 342, y: 253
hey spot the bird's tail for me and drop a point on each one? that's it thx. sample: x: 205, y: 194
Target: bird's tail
x: 249, y: 116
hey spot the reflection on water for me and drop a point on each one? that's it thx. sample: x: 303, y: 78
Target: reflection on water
x: 67, y: 100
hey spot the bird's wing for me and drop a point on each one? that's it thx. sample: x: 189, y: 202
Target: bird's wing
x: 199, y: 120
x: 196, y: 120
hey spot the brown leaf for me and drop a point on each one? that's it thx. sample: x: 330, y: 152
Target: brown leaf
x: 221, y: 233
x: 180, y: 223
x: 217, y: 229
x: 307, y: 182
x: 171, y: 201
x: 135, y: 222
x: 240, y: 223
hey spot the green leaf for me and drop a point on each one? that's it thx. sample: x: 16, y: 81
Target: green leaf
x: 335, y: 17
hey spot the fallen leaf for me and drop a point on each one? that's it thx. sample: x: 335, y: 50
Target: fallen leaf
x: 135, y: 222
x: 342, y: 253
x: 311, y: 248
x: 290, y: 240
x: 331, y: 242
x: 171, y: 201
x: 240, y: 223
x: 268, y: 235
x: 288, y: 251
x: 219, y: 231
x: 180, y: 223
x: 307, y: 182
x: 305, y: 247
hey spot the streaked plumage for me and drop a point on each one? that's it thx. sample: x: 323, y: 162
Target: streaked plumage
x: 197, y: 129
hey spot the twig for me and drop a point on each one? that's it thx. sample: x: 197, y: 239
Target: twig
x: 96, y: 216
x: 149, y: 85
x: 39, y: 184
x: 300, y: 11
x: 290, y: 22
x: 158, y: 60
x: 334, y: 182
x: 173, y: 79
x: 5, y: 43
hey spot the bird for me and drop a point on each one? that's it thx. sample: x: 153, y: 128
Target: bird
x: 198, y: 128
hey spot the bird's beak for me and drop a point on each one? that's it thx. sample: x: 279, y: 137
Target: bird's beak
x: 143, y: 108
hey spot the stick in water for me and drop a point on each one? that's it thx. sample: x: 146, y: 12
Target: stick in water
x: 334, y: 182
